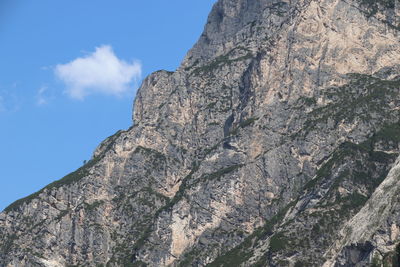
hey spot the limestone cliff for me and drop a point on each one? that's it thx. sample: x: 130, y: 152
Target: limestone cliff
x: 271, y: 145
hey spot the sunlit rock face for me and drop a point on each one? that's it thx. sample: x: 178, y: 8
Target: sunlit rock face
x: 273, y: 144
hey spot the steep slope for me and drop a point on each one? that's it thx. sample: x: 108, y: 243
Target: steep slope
x: 260, y: 150
x: 374, y: 231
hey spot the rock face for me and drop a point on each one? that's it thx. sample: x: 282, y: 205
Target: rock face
x: 273, y: 144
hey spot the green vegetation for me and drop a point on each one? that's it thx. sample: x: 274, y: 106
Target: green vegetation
x: 61, y: 215
x: 242, y: 124
x: 396, y: 258
x: 193, y: 65
x: 178, y: 196
x: 278, y: 242
x: 211, y: 105
x: 221, y: 61
x: 346, y: 103
x: 350, y: 203
x: 325, y: 170
x: 376, y: 262
x: 145, y: 234
x: 300, y: 264
x: 188, y: 258
x: 373, y: 5
x: 306, y: 101
x: 123, y: 256
x: 70, y: 178
x: 93, y: 206
x: 241, y: 253
x: 362, y: 177
x: 360, y: 99
x: 247, y: 122
x: 218, y: 174
x: 209, y: 150
x: 129, y: 263
x: 350, y: 175
x: 388, y: 134
x: 279, y: 8
x: 157, y: 156
x: 391, y: 259
x: 8, y: 243
x: 152, y: 192
x: 235, y: 256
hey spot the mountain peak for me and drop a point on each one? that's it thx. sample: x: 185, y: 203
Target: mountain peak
x: 268, y: 146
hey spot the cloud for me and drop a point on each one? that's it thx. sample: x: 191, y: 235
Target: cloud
x: 100, y: 72
x: 41, y: 98
x: 9, y: 101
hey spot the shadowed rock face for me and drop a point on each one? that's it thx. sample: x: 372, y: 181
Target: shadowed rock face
x: 273, y: 144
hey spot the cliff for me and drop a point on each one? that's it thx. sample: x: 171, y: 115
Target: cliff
x: 273, y: 144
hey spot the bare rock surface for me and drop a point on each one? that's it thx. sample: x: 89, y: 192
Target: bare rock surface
x: 275, y: 143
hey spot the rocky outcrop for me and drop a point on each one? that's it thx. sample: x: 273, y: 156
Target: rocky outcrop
x: 271, y: 143
x: 372, y: 235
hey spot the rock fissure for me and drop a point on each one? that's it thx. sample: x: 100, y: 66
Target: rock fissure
x: 273, y: 144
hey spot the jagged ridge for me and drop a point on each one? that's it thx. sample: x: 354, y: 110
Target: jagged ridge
x: 259, y: 150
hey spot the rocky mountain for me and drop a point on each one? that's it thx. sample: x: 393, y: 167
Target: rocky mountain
x: 275, y: 143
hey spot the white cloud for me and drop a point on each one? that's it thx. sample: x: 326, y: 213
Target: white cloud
x: 41, y: 98
x: 9, y: 101
x: 99, y: 72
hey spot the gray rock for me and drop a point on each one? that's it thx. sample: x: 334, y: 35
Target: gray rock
x: 272, y: 139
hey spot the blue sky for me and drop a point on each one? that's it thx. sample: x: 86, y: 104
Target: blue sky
x: 68, y: 75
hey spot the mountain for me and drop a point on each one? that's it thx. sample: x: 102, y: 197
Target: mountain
x: 275, y: 143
